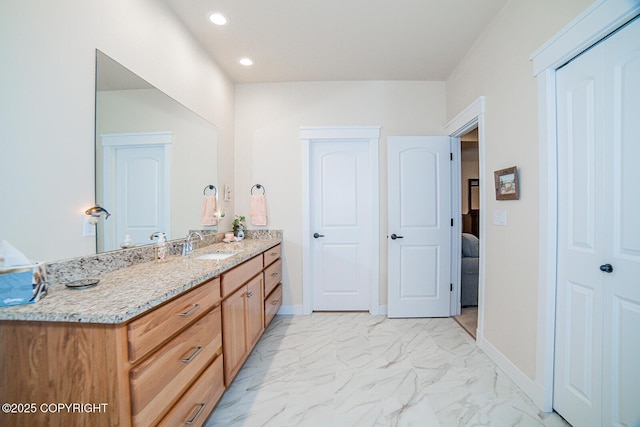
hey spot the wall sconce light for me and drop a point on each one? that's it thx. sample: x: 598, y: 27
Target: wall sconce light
x: 94, y: 214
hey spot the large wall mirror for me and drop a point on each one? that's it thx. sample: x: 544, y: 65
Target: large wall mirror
x: 154, y: 159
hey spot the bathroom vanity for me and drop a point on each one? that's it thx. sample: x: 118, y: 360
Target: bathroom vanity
x: 151, y: 344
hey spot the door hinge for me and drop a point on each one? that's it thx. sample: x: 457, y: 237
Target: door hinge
x: 452, y: 222
x: 451, y: 156
x: 450, y: 287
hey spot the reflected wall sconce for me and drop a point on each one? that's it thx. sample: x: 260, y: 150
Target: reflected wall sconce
x: 94, y: 213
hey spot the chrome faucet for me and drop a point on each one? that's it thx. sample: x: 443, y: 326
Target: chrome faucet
x: 187, y: 248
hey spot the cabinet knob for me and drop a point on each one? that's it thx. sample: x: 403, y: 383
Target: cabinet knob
x: 249, y: 294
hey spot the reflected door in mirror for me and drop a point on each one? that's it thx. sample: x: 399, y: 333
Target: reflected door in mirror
x: 136, y: 179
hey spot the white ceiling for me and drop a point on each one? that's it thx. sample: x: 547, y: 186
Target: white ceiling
x: 323, y: 40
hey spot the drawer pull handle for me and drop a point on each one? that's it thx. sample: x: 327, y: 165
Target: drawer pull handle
x: 249, y: 294
x: 274, y: 254
x: 274, y: 274
x: 275, y: 302
x: 188, y: 312
x: 193, y: 356
x: 195, y: 417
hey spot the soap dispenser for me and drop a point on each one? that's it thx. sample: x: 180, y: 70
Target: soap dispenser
x: 162, y: 247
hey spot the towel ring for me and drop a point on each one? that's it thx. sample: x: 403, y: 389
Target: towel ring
x: 210, y: 187
x: 259, y: 187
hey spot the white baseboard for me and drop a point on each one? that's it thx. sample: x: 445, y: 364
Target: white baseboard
x: 527, y: 385
x: 292, y: 310
x: 298, y: 310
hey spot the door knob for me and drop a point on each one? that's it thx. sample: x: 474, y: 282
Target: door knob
x: 316, y: 235
x: 607, y: 268
x: 394, y: 236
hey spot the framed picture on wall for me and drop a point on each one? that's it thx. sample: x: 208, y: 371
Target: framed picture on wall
x: 507, y: 186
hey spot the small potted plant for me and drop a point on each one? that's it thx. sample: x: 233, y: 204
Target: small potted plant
x: 239, y: 225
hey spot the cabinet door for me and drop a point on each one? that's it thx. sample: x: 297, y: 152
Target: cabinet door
x: 233, y: 332
x: 255, y: 307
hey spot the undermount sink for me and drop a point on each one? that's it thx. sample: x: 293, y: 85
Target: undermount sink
x: 216, y: 255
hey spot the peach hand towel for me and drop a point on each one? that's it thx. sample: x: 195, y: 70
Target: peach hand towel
x: 208, y: 215
x: 258, y: 211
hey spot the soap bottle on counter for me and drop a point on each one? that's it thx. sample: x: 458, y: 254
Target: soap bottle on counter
x: 162, y: 247
x: 127, y: 242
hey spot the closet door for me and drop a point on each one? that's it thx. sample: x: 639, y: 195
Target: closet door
x: 621, y: 323
x: 598, y: 300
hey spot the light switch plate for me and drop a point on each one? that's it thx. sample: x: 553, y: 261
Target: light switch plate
x: 88, y: 229
x: 500, y: 217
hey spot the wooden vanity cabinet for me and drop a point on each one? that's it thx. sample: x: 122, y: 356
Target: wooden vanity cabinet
x: 160, y: 378
x: 242, y: 315
x: 272, y: 287
x: 272, y: 304
x: 139, y: 371
x: 168, y: 366
x: 271, y: 255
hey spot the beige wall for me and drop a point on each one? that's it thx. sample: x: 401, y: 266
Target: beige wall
x: 47, y: 86
x: 498, y: 68
x: 268, y: 147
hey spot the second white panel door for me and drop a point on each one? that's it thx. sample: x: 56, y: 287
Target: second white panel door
x: 419, y: 186
x: 341, y: 215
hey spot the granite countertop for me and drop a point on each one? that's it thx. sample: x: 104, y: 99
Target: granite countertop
x: 128, y: 292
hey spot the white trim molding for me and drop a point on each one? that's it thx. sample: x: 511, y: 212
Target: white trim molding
x: 467, y: 119
x: 598, y: 21
x: 339, y: 133
x: 594, y: 24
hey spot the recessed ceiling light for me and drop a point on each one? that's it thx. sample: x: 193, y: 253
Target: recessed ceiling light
x: 218, y: 18
x: 246, y: 61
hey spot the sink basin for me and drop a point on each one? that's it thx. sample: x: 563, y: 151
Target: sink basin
x: 216, y: 255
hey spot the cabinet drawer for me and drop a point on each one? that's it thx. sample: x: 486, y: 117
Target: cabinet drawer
x: 271, y: 304
x: 239, y: 275
x: 199, y: 401
x: 272, y: 276
x: 158, y: 381
x: 147, y: 332
x: 270, y: 255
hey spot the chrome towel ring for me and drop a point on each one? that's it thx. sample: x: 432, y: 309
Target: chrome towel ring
x: 259, y: 187
x: 210, y: 187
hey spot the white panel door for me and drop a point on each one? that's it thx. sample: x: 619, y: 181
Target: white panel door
x: 597, y: 377
x: 419, y: 188
x: 140, y: 197
x: 621, y: 367
x: 341, y: 250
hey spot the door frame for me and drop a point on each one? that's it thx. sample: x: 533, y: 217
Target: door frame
x: 469, y: 118
x: 594, y: 24
x: 319, y: 134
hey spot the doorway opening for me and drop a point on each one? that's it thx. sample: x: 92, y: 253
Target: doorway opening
x: 470, y: 238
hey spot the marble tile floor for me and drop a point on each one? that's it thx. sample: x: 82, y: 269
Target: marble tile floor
x: 354, y: 369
